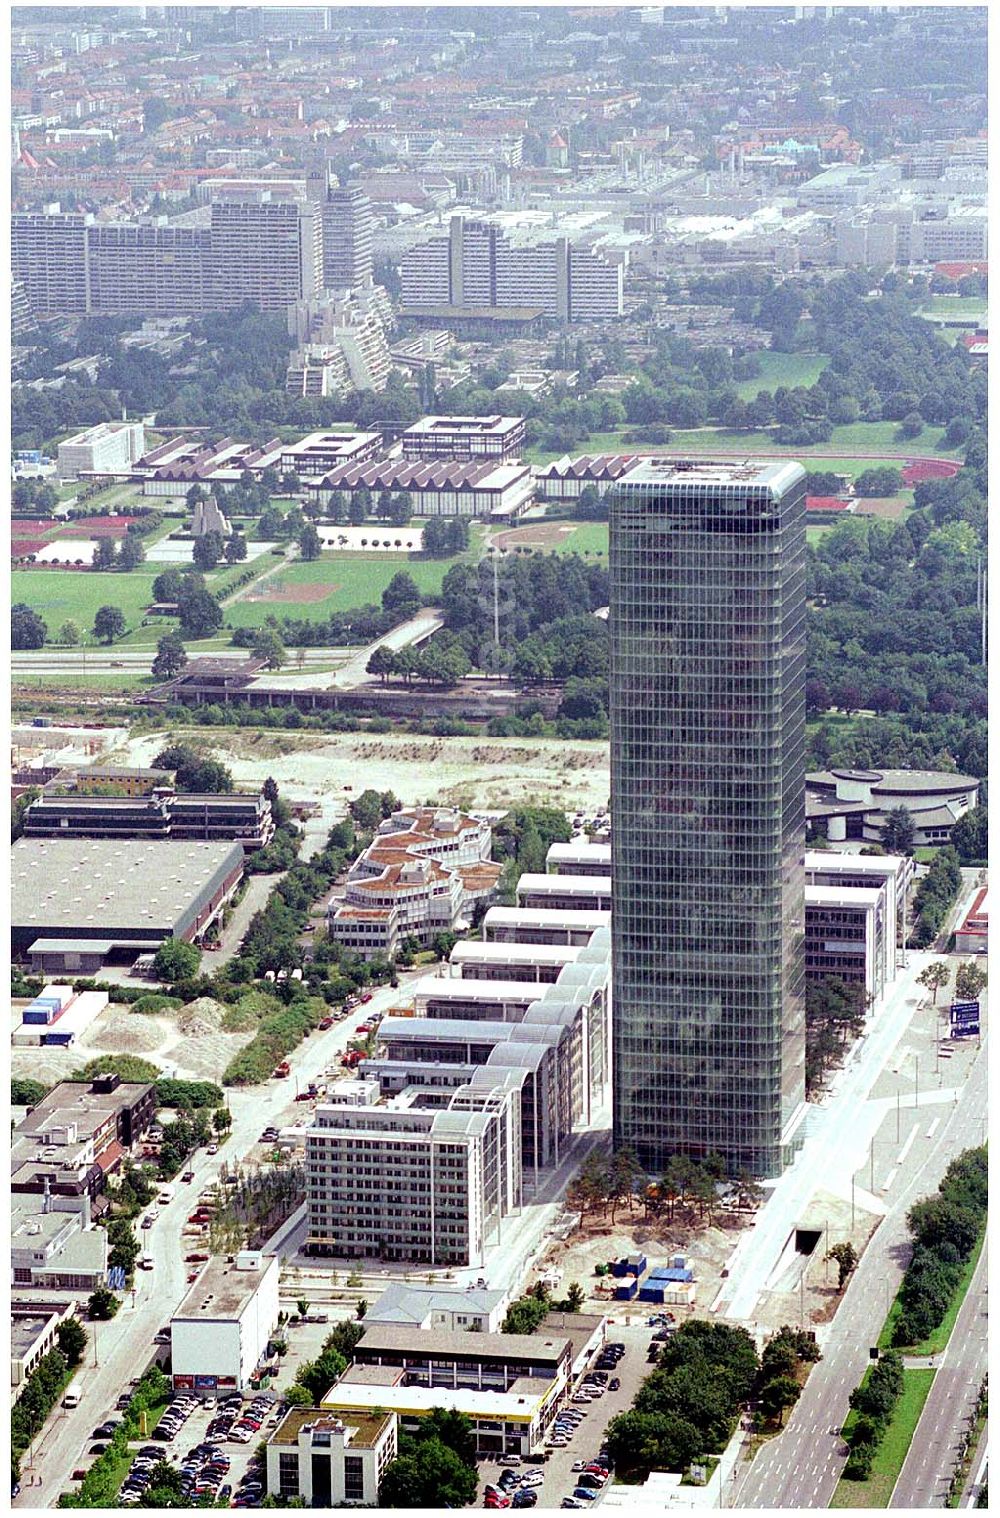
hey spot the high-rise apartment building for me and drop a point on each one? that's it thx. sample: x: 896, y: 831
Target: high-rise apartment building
x: 708, y: 809
x: 268, y: 251
x: 475, y: 266
x: 148, y: 268
x: 48, y: 252
x: 348, y: 232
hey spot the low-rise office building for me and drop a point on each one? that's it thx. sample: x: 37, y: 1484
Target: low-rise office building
x: 503, y: 1423
x: 107, y: 448
x: 561, y: 892
x: 220, y: 1331
x: 421, y: 875
x: 540, y: 925
x: 465, y: 437
x: 854, y: 803
x: 891, y: 874
x: 532, y: 962
x: 34, y: 1331
x: 477, y: 1309
x: 53, y: 1246
x: 464, y: 1358
x: 331, y: 1461
x: 436, y: 487
x: 78, y: 1135
x: 315, y: 455
x: 846, y: 936
x: 241, y: 817
x: 579, y: 857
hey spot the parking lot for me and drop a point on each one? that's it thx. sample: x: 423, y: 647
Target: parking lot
x: 559, y: 1478
x: 210, y: 1428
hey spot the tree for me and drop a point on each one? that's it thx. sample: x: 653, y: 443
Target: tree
x: 200, y: 613
x: 310, y: 542
x: 970, y: 835
x: 27, y: 629
x: 297, y: 1396
x: 267, y: 645
x: 104, y: 554
x: 102, y: 1304
x: 207, y: 550
x: 176, y: 960
x: 846, y: 1257
x: 71, y: 1337
x: 171, y: 657
x: 429, y: 1475
x: 302, y: 1307
x: 25, y: 1092
x: 235, y: 551
x: 317, y: 1376
x: 68, y: 635
x: 222, y: 1120
x: 777, y: 1396
x: 575, y: 1297
x: 359, y: 508
x: 381, y: 662
x: 898, y: 831
x: 970, y: 979
x: 361, y: 1310
x: 644, y: 1441
x: 109, y: 624
x: 912, y: 425
x: 402, y: 594
x: 132, y: 552
x: 934, y: 976
x: 401, y: 509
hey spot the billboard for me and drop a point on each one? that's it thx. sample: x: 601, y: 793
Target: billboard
x: 964, y: 1012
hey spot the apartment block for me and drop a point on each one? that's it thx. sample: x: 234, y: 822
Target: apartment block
x: 265, y: 250
x: 150, y: 268
x: 48, y: 253
x: 475, y: 266
x: 348, y: 228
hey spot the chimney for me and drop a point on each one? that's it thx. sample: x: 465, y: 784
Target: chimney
x: 47, y: 1196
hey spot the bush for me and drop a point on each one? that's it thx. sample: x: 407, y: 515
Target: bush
x: 151, y: 1002
x: 176, y: 960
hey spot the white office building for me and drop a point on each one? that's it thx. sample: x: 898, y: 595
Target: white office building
x: 107, y: 448
x: 220, y: 1331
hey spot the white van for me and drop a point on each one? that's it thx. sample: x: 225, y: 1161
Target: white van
x: 71, y: 1399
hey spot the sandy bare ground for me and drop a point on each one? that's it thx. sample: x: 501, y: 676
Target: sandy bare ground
x: 485, y: 773
x: 188, y: 1040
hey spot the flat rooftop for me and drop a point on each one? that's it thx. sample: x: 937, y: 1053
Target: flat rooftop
x: 842, y: 896
x: 445, y: 1343
x: 776, y: 475
x: 472, y: 425
x: 222, y: 1291
x: 519, y: 1405
x: 25, y: 1328
x: 113, y: 884
x: 363, y: 1430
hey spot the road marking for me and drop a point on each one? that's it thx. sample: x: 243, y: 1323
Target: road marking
x: 933, y: 1126
x: 889, y: 1178
x: 907, y: 1146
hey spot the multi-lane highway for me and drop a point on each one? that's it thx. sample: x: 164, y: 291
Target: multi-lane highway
x: 802, y: 1467
x: 926, y: 1474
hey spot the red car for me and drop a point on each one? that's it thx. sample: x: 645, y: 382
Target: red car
x: 325, y: 1022
x: 195, y: 1259
x: 366, y: 995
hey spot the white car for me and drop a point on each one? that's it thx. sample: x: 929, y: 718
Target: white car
x: 533, y: 1478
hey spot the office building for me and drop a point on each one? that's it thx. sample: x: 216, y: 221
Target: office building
x: 707, y: 566
x: 464, y: 1357
x: 53, y: 1246
x: 315, y: 455
x: 78, y: 1135
x: 243, y: 818
x: 891, y: 875
x: 328, y: 1461
x: 473, y: 487
x: 854, y: 804
x: 421, y: 875
x: 464, y: 437
x: 34, y: 1331
x: 111, y: 897
x: 220, y: 1331
x: 503, y: 1423
x: 539, y: 925
x: 476, y: 1308
x: 405, y: 1183
x: 107, y: 448
x: 972, y: 937
x: 558, y: 892
x: 348, y: 229
x: 846, y: 937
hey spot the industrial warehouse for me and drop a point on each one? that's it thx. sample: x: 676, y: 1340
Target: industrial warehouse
x: 77, y: 903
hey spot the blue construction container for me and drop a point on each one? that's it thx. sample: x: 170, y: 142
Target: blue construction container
x: 667, y: 1273
x: 653, y: 1291
x: 626, y: 1292
x: 630, y: 1265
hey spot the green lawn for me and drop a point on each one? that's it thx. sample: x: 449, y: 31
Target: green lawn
x: 936, y: 1340
x: 352, y: 579
x: 877, y: 1490
x: 855, y: 440
x: 789, y: 369
x: 954, y: 305
x: 815, y: 531
x: 589, y: 538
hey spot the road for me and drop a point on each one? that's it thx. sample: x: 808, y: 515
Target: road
x: 802, y: 1467
x: 125, y: 1344
x: 92, y: 661
x: 926, y: 1475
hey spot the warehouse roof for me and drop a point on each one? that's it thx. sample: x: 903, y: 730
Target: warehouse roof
x: 112, y: 883
x: 447, y: 1343
x: 222, y: 1290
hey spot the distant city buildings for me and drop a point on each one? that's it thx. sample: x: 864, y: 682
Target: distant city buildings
x: 708, y: 785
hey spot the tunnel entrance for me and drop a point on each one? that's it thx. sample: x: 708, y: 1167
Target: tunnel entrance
x: 806, y: 1240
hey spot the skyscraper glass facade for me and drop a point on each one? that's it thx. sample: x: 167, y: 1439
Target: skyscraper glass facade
x: 708, y: 809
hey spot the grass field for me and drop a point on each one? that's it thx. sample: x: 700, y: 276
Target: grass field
x: 954, y: 305
x: 351, y: 579
x: 937, y: 1340
x: 76, y: 595
x: 119, y: 680
x: 877, y: 1490
x: 854, y: 440
x: 589, y: 538
x: 789, y: 369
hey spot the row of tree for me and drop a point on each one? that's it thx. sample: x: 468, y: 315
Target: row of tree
x: 945, y: 1229
x: 442, y: 661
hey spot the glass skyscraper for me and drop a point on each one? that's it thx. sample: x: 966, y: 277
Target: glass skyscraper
x: 708, y: 809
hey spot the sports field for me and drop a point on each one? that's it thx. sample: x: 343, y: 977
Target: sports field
x: 335, y: 582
